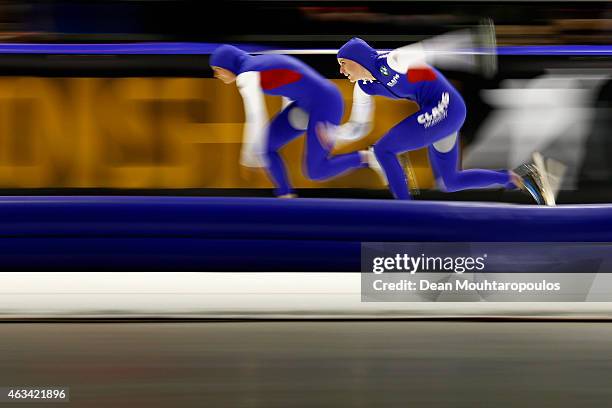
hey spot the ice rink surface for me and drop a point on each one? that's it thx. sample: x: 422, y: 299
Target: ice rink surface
x: 314, y: 364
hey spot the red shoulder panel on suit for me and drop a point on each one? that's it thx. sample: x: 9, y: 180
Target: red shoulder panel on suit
x: 274, y: 78
x: 421, y: 74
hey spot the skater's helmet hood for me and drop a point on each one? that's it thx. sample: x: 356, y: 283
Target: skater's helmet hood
x: 228, y: 57
x: 359, y: 51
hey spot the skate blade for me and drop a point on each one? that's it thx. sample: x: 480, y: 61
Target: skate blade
x: 413, y: 186
x: 547, y: 191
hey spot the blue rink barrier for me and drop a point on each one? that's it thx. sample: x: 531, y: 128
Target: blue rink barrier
x: 261, y: 234
x: 199, y: 48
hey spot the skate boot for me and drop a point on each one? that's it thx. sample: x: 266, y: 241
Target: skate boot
x: 532, y: 183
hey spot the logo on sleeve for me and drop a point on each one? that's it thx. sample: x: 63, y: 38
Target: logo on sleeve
x: 384, y: 70
x: 393, y: 81
x: 437, y: 114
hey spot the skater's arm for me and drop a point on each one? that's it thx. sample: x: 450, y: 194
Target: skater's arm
x: 253, y: 142
x: 360, y: 121
x: 404, y: 58
x: 448, y: 51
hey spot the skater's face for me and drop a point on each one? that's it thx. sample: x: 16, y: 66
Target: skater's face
x: 353, y: 70
x: 226, y: 76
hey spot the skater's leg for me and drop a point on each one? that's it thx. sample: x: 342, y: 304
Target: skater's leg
x: 280, y: 133
x: 443, y: 116
x: 444, y: 157
x: 401, y: 138
x: 319, y: 163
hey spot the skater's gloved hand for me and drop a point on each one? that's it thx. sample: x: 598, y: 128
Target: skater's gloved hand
x: 332, y: 136
x: 326, y: 132
x: 352, y: 131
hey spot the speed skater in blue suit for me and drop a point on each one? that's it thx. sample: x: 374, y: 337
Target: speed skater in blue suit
x: 310, y: 102
x: 408, y: 73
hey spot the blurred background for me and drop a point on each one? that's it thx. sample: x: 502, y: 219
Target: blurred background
x: 160, y: 124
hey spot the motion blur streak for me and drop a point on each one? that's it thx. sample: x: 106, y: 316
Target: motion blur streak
x: 551, y: 113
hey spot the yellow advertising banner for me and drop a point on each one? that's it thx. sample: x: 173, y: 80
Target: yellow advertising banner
x: 151, y: 133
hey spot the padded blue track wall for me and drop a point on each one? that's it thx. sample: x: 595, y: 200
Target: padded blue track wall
x: 194, y: 48
x: 261, y: 234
